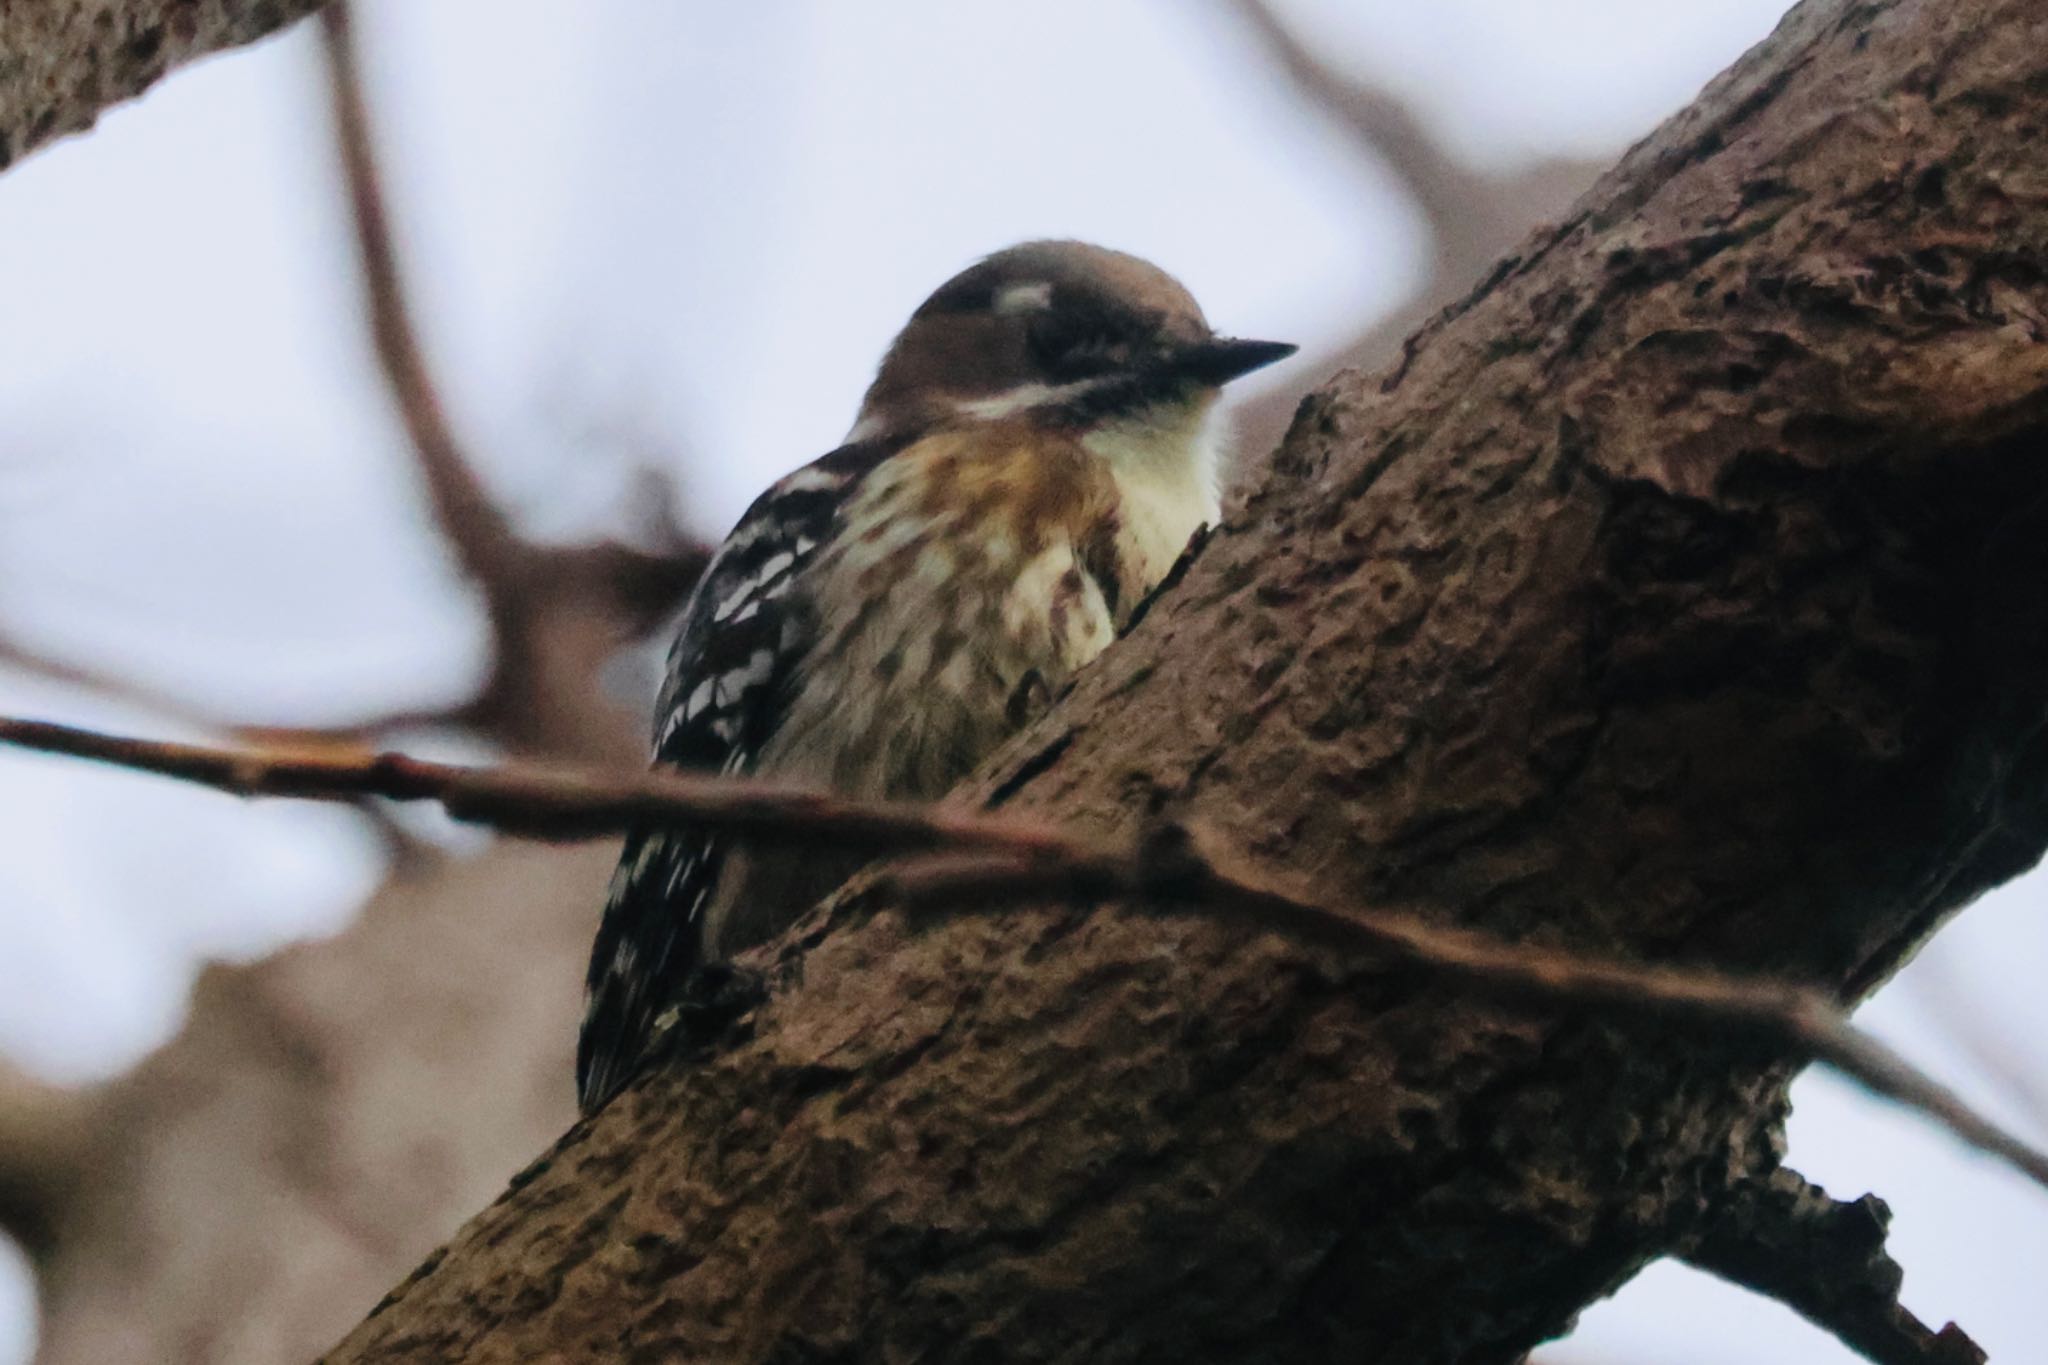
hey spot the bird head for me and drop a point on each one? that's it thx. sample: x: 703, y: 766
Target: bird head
x: 1061, y: 334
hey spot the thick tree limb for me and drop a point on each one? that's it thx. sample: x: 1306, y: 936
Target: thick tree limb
x: 1784, y: 1237
x: 1802, y: 1023
x: 1675, y: 598
x: 323, y: 1118
x: 63, y: 61
x: 1021, y: 862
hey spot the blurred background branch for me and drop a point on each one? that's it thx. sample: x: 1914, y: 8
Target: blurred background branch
x: 1474, y: 216
x: 557, y: 615
x: 1995, y: 1048
x: 44, y: 1132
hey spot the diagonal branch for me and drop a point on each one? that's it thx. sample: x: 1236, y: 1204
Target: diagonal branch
x: 1013, y: 861
x: 481, y: 536
x: 68, y: 673
x: 1961, y: 1016
x: 1826, y: 1260
x: 1644, y: 608
x: 1449, y: 193
x: 1473, y: 215
x: 556, y: 613
x: 1801, y: 1021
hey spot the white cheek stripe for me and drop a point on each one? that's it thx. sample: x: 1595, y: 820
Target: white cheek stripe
x: 1023, y: 398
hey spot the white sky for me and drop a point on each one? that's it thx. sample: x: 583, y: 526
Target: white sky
x: 641, y: 228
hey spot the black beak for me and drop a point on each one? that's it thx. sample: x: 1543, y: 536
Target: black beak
x: 1219, y: 360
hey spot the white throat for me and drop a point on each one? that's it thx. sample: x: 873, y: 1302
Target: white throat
x: 1174, y: 450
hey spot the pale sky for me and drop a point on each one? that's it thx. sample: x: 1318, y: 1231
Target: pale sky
x: 692, y: 229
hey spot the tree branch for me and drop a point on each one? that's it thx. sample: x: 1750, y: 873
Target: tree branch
x: 1473, y: 215
x: 556, y: 613
x: 1960, y: 1015
x: 38, y: 663
x: 61, y: 64
x: 1020, y: 862
x: 481, y: 536
x: 1452, y: 196
x: 1804, y: 1023
x: 1785, y: 1238
x: 1669, y: 601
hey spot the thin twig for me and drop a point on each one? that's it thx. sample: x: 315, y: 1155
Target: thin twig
x: 1989, y: 1042
x: 1449, y: 192
x: 541, y: 802
x: 1010, y: 860
x: 1474, y: 214
x: 126, y: 691
x: 478, y: 532
x: 556, y: 613
x: 70, y: 674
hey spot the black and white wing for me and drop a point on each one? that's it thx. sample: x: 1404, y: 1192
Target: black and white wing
x: 730, y: 676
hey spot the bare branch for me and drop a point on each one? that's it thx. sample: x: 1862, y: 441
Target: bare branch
x: 477, y: 531
x: 60, y: 65
x: 112, y: 686
x: 1474, y: 215
x: 555, y: 613
x: 1960, y: 1015
x: 1826, y: 1260
x: 39, y: 663
x: 1449, y: 193
x: 541, y: 802
x: 1013, y: 861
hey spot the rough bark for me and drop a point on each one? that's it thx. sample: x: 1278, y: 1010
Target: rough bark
x: 63, y: 61
x: 1676, y: 595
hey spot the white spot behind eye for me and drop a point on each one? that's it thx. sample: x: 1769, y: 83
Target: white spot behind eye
x: 1024, y: 298
x: 1023, y: 398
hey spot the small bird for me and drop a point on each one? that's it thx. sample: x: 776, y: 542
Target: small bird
x: 1034, y: 454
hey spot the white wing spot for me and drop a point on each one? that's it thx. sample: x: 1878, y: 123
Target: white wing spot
x: 769, y: 568
x: 756, y: 670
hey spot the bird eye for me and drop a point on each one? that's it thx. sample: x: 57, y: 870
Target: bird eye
x: 1075, y: 348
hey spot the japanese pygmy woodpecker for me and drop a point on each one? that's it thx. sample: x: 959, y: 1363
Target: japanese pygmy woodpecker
x: 1032, y: 458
